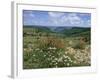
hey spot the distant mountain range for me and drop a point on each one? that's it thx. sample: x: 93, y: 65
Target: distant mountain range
x: 56, y: 28
x: 64, y: 30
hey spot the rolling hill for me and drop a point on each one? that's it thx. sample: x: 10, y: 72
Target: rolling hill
x: 65, y: 30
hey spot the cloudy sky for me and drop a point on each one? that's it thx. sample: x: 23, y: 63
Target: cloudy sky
x: 50, y: 18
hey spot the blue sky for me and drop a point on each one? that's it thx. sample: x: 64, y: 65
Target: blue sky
x: 51, y: 18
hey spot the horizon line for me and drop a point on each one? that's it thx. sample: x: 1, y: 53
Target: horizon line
x: 58, y: 26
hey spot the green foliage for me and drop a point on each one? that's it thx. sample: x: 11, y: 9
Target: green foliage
x: 79, y: 45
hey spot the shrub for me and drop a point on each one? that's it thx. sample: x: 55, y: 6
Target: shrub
x: 79, y: 45
x: 46, y: 42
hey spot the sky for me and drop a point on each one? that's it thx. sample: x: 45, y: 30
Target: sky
x: 52, y: 18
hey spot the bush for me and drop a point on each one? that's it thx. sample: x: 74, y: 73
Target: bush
x: 46, y: 42
x: 79, y: 45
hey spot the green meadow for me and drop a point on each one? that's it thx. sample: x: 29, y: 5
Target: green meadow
x: 45, y: 47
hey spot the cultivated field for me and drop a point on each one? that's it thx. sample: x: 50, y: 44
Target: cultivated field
x: 60, y: 47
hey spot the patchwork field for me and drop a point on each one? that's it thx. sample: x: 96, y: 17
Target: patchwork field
x: 45, y: 47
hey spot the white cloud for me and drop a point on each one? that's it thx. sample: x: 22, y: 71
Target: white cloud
x: 82, y: 14
x: 55, y: 17
x: 74, y: 19
x: 55, y: 21
x: 55, y: 14
x: 89, y: 22
x: 72, y: 14
x: 65, y: 19
x: 29, y: 14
